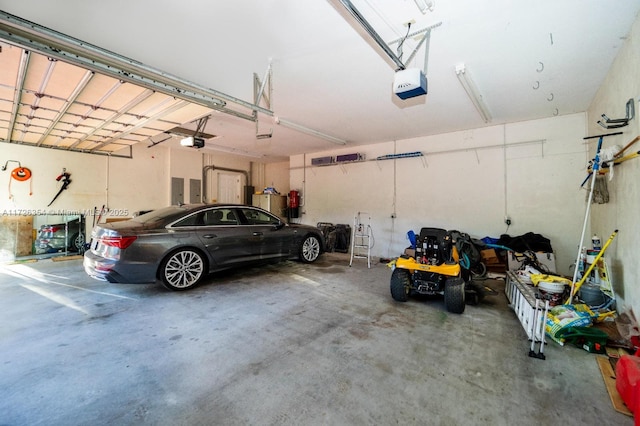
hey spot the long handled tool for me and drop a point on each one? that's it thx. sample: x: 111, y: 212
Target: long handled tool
x: 65, y: 178
x: 575, y: 286
x: 593, y: 174
x: 618, y: 158
x: 100, y: 214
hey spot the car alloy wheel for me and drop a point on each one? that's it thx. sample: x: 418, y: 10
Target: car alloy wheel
x: 310, y: 249
x: 182, y: 270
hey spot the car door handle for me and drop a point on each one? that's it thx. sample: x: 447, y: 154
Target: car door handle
x: 209, y: 236
x: 257, y: 234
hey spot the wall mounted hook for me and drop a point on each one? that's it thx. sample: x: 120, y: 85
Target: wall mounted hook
x: 614, y: 123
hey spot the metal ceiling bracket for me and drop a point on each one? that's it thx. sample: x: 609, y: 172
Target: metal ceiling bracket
x: 425, y: 38
x: 259, y: 88
x: 259, y: 94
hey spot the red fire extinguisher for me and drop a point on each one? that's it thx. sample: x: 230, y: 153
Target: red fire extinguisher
x: 294, y: 203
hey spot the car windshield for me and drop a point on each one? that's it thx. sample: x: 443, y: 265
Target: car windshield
x: 160, y: 214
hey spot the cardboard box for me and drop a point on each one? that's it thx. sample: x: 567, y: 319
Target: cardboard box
x: 409, y: 251
x: 489, y: 257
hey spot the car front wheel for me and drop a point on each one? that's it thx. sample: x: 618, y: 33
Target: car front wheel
x: 182, y: 269
x: 310, y: 249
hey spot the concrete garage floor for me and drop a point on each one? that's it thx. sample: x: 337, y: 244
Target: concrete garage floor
x: 289, y: 344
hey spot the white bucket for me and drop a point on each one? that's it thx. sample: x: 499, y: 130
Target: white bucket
x: 591, y: 256
x: 551, y: 291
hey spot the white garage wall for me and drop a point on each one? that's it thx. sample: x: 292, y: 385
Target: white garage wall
x: 621, y: 84
x: 122, y: 185
x: 461, y: 183
x: 276, y: 175
x: 119, y: 183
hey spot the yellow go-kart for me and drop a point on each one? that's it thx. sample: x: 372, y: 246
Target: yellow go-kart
x: 435, y: 269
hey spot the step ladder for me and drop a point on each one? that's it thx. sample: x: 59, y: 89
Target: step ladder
x: 362, y: 238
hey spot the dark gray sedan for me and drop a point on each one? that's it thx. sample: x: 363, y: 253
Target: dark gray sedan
x: 181, y: 244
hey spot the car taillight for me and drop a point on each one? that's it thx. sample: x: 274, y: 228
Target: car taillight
x: 51, y: 228
x: 118, y: 242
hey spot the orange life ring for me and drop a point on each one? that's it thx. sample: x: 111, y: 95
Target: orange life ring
x: 21, y: 174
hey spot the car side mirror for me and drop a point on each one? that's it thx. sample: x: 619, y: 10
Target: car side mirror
x: 279, y: 225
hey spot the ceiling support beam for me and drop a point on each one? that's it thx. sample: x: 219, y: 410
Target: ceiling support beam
x: 138, y: 99
x: 40, y: 93
x: 157, y: 116
x: 17, y: 96
x: 374, y: 35
x: 308, y: 131
x: 72, y: 98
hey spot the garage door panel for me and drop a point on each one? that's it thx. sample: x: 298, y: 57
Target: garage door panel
x: 152, y: 105
x: 10, y: 64
x: 64, y: 80
x: 189, y: 113
x: 122, y: 96
x: 37, y: 73
x: 82, y: 110
x: 98, y: 88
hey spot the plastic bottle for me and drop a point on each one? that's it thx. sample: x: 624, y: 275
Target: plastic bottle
x: 581, y: 263
x: 596, y: 243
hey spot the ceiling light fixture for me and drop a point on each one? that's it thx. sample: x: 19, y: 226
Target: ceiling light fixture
x: 425, y: 6
x: 308, y: 131
x: 472, y: 92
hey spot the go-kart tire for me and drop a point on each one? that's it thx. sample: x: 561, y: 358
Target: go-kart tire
x: 400, y: 285
x: 454, y: 295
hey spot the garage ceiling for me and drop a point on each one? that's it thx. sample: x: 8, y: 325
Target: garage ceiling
x: 59, y: 105
x: 331, y: 83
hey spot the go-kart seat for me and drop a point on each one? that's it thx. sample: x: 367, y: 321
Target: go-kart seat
x: 435, y: 245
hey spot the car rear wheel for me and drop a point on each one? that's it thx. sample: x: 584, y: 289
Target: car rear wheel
x: 310, y: 249
x: 454, y: 299
x: 400, y: 285
x: 182, y: 269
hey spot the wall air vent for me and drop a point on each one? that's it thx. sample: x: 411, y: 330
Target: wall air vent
x: 322, y: 161
x: 349, y: 157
